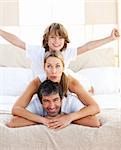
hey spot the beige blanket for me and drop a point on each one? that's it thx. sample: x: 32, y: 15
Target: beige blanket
x: 73, y: 137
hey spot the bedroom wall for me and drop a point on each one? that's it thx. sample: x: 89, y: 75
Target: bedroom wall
x: 101, y: 11
x: 9, y: 13
x: 96, y: 12
x: 119, y: 26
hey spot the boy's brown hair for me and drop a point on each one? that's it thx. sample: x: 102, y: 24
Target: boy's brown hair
x: 59, y: 30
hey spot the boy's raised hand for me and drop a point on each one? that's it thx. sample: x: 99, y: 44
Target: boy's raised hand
x: 115, y: 34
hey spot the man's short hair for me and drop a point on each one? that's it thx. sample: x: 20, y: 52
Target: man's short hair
x: 48, y: 88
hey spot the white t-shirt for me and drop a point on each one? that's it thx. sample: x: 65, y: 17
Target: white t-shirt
x: 36, y: 54
x: 70, y: 104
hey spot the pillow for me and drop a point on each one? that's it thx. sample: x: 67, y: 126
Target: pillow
x: 108, y: 100
x: 105, y: 80
x: 12, y: 56
x: 94, y: 58
x: 13, y: 81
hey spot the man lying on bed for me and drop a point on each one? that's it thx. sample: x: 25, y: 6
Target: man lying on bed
x: 52, y: 105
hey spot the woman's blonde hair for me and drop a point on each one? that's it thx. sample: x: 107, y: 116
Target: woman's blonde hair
x: 64, y: 78
x: 57, y: 29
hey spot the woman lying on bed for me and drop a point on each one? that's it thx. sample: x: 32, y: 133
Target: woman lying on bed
x: 29, y: 113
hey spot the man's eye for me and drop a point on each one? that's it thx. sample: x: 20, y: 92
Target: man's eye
x: 45, y: 100
x: 56, y: 100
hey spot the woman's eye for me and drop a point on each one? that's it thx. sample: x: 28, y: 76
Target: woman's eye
x: 58, y: 66
x: 49, y: 66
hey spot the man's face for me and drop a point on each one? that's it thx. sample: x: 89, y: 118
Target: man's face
x: 52, y: 104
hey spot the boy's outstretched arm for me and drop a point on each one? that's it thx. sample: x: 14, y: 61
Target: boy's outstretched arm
x: 97, y: 43
x: 12, y: 39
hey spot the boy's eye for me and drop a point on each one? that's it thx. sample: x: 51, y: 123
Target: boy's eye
x: 60, y: 37
x: 51, y: 37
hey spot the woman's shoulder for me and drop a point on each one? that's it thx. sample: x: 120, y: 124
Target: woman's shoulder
x: 36, y: 81
x: 72, y: 82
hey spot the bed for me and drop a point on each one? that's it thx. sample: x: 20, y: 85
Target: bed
x: 72, y: 137
x: 107, y: 92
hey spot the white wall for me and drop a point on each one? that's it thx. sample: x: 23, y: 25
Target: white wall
x: 9, y: 13
x: 101, y: 12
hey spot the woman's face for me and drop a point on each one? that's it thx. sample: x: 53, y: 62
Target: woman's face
x: 55, y: 42
x: 54, y: 69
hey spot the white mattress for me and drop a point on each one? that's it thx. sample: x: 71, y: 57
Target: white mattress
x: 108, y: 100
x: 6, y: 103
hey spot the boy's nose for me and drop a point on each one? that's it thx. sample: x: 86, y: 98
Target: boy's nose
x: 56, y: 39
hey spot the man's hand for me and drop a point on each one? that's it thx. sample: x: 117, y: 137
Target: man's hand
x: 59, y: 122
